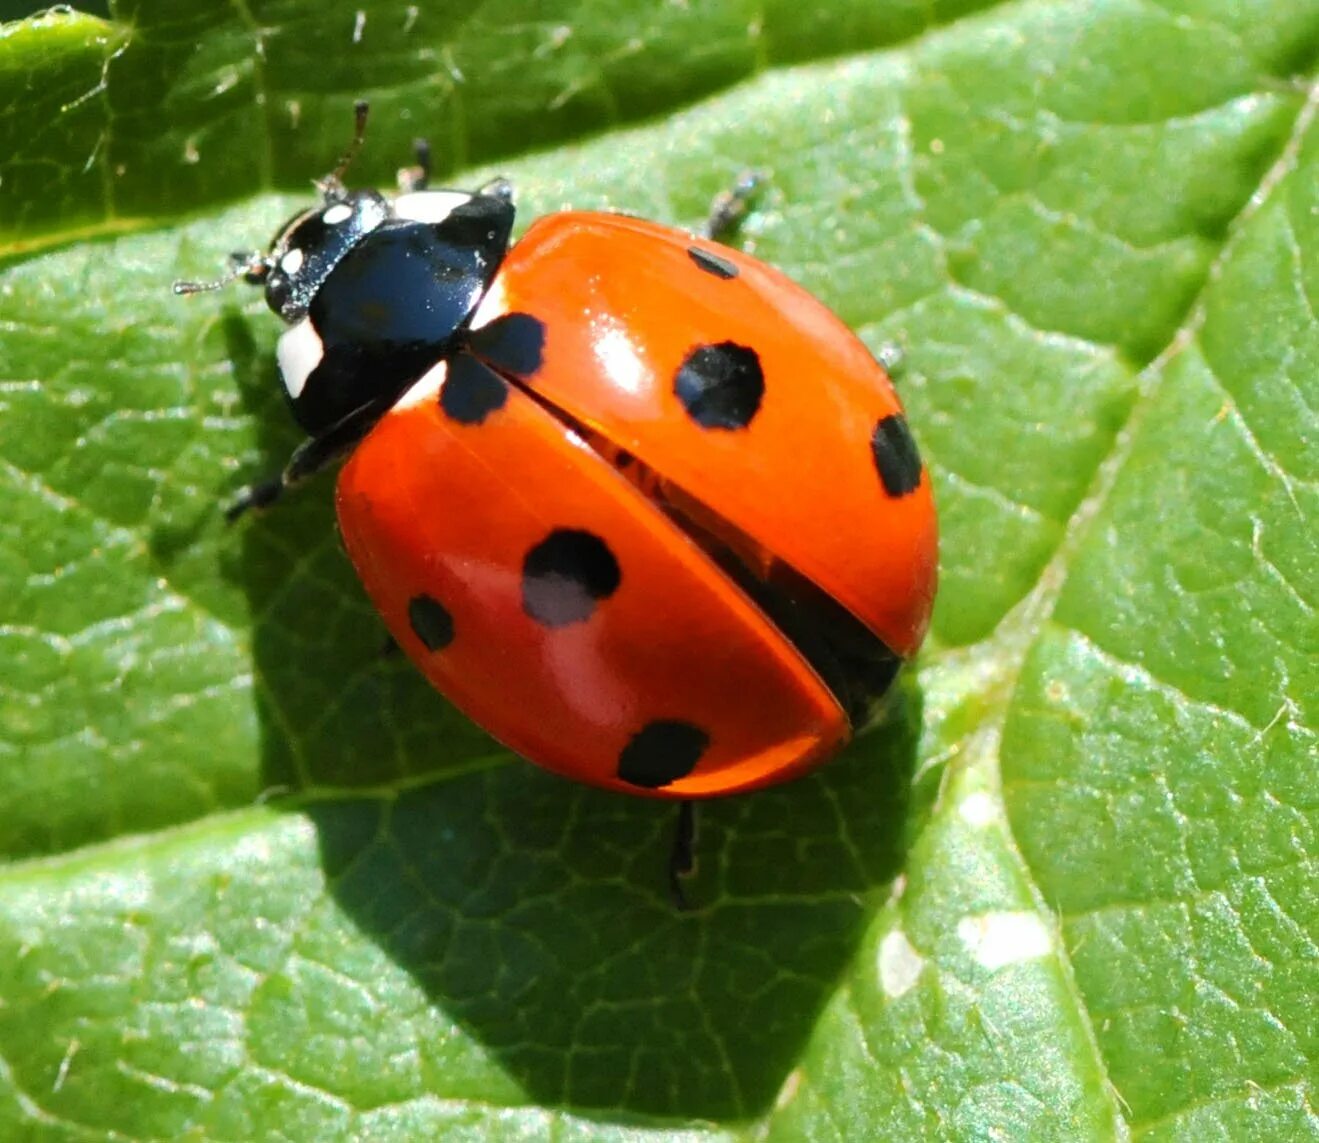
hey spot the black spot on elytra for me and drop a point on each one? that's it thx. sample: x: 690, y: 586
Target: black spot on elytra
x: 711, y: 263
x: 431, y: 622
x: 513, y: 343
x: 721, y: 385
x: 896, y: 458
x: 471, y: 392
x: 566, y: 575
x: 662, y: 752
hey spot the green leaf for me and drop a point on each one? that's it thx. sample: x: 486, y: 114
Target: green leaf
x: 261, y: 883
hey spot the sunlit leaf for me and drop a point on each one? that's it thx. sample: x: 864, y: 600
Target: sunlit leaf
x: 260, y: 882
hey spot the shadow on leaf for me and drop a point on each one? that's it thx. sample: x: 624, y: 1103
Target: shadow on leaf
x: 535, y: 914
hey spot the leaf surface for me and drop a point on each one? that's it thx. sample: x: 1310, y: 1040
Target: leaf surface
x: 259, y: 882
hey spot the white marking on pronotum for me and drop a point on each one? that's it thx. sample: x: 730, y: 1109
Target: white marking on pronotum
x: 899, y: 964
x: 429, y: 206
x: 425, y: 388
x: 291, y: 263
x: 339, y: 212
x: 299, y: 352
x: 998, y: 939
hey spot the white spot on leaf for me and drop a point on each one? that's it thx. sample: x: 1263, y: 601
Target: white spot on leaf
x: 999, y: 939
x: 788, y: 1092
x: 899, y: 964
x: 978, y: 810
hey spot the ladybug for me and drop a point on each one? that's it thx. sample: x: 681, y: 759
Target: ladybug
x: 635, y: 502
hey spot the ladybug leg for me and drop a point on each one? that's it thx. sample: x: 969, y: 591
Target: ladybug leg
x: 730, y: 207
x: 309, y: 458
x: 418, y: 176
x: 682, y: 857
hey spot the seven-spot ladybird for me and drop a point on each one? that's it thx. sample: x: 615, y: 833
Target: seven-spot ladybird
x: 638, y: 504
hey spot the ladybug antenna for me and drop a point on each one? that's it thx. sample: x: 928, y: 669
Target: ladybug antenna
x: 252, y: 267
x: 331, y: 186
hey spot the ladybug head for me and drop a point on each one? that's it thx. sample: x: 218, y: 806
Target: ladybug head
x: 310, y: 245
x: 374, y: 291
x: 307, y: 247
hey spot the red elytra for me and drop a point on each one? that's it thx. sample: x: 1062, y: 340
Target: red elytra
x: 659, y: 526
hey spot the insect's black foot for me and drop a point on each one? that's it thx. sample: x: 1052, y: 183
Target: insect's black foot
x: 257, y: 496
x: 682, y: 857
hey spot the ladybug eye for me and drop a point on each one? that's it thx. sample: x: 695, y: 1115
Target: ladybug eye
x: 256, y: 275
x: 277, y: 290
